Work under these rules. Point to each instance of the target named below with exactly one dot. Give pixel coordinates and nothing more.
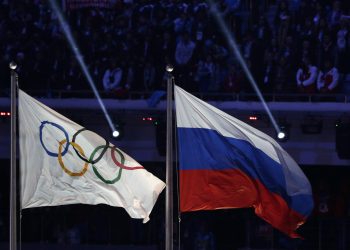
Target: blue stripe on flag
(207, 149)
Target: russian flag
(225, 163)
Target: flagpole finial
(169, 68)
(13, 65)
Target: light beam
(233, 44)
(66, 30)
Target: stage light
(253, 118)
(13, 65)
(281, 135)
(283, 132)
(169, 68)
(118, 131)
(148, 119)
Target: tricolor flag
(225, 163)
(63, 163)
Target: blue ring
(59, 127)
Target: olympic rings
(82, 172)
(80, 153)
(98, 173)
(83, 158)
(41, 137)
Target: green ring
(117, 178)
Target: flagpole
(169, 163)
(13, 173)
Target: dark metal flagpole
(169, 163)
(13, 173)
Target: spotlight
(13, 65)
(169, 68)
(118, 131)
(283, 133)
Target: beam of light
(66, 29)
(233, 44)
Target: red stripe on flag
(221, 189)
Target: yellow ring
(82, 172)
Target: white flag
(63, 163)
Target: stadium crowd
(290, 46)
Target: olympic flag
(225, 163)
(63, 163)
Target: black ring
(82, 157)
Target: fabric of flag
(225, 163)
(63, 163)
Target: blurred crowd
(289, 46)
